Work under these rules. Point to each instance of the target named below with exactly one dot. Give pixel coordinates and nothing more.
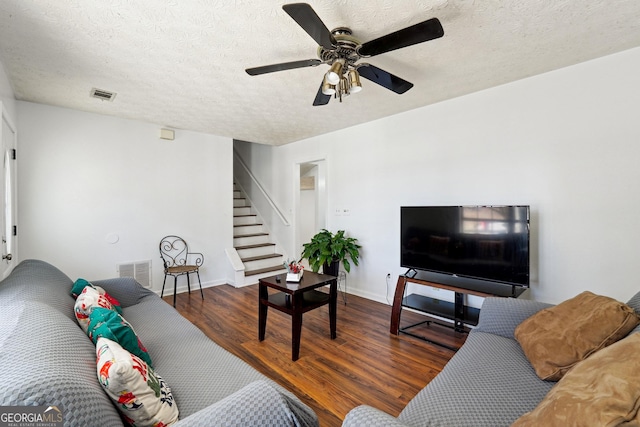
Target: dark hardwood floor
(365, 364)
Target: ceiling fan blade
(418, 33)
(384, 78)
(283, 66)
(321, 98)
(307, 18)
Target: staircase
(252, 242)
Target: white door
(8, 196)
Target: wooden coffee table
(295, 299)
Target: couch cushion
(601, 390)
(634, 302)
(501, 316)
(46, 359)
(487, 369)
(38, 282)
(259, 403)
(139, 393)
(127, 291)
(183, 365)
(106, 323)
(557, 338)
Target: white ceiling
(180, 63)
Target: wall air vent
(140, 270)
(104, 95)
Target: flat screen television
(478, 243)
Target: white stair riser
(263, 263)
(245, 220)
(241, 210)
(237, 193)
(253, 279)
(247, 229)
(253, 240)
(251, 252)
(239, 202)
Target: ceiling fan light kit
(346, 83)
(341, 51)
(328, 88)
(335, 72)
(354, 81)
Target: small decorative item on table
(294, 270)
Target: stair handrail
(272, 203)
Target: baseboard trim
(168, 289)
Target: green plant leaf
(325, 248)
(347, 266)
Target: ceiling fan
(341, 51)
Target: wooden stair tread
(247, 225)
(244, 216)
(259, 245)
(259, 257)
(250, 235)
(264, 270)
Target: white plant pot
(291, 277)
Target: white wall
(7, 97)
(84, 176)
(566, 143)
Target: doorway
(311, 203)
(8, 193)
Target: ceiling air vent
(104, 95)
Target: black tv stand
(456, 311)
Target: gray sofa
(489, 381)
(46, 358)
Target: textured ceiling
(181, 63)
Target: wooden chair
(178, 261)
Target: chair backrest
(174, 251)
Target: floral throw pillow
(89, 299)
(142, 396)
(81, 284)
(105, 323)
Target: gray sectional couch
(46, 358)
(489, 381)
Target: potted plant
(328, 250)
